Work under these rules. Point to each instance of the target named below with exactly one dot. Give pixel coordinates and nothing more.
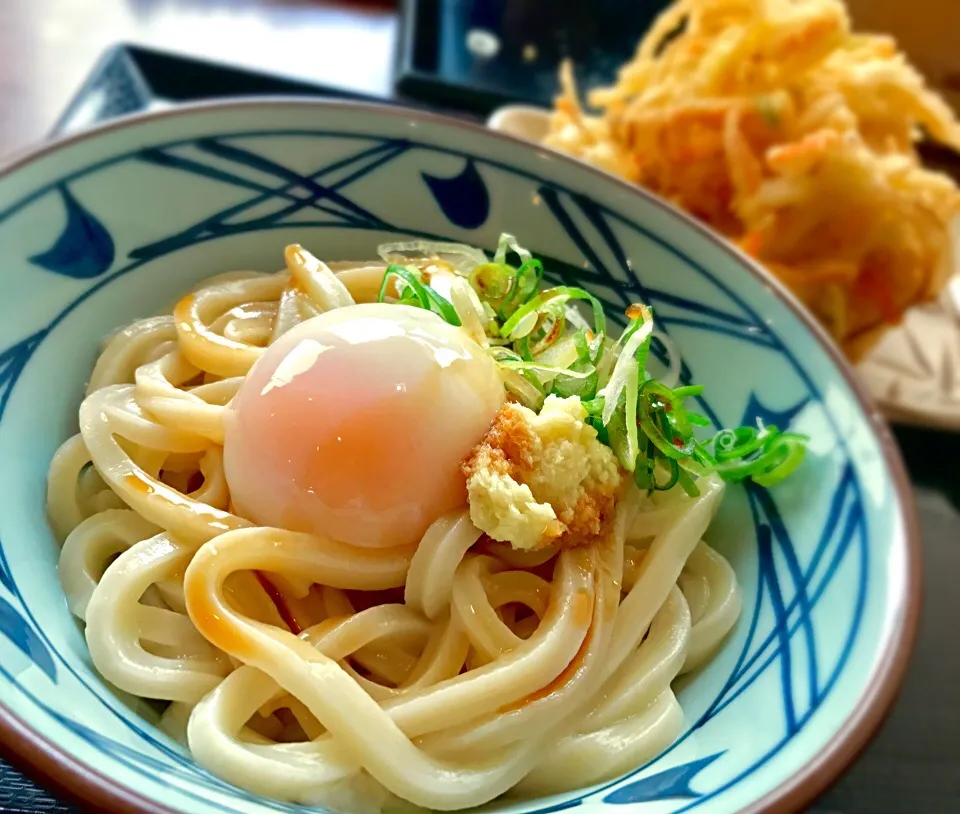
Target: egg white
(354, 424)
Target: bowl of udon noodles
(358, 459)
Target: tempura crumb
(541, 480)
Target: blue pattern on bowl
(813, 557)
(463, 198)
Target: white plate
(913, 373)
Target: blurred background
(433, 48)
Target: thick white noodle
(481, 670)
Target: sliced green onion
(643, 474)
(550, 327)
(587, 356)
(508, 243)
(702, 456)
(602, 435)
(643, 353)
(643, 470)
(536, 367)
(664, 420)
(639, 316)
(524, 320)
(630, 414)
(582, 344)
(781, 454)
(522, 347)
(493, 281)
(526, 284)
(594, 406)
(688, 391)
(618, 440)
(560, 294)
(459, 256)
(470, 310)
(650, 425)
(738, 471)
(520, 381)
(627, 358)
(562, 353)
(673, 470)
(413, 285)
(733, 445)
(583, 388)
(527, 392)
(604, 358)
(575, 318)
(543, 344)
(443, 307)
(785, 453)
(687, 484)
(529, 275)
(597, 347)
(424, 296)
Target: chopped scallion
(544, 345)
(414, 292)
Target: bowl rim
(59, 769)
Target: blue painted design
(764, 505)
(630, 286)
(463, 199)
(319, 191)
(777, 418)
(6, 578)
(844, 537)
(855, 527)
(747, 335)
(846, 516)
(183, 767)
(551, 197)
(845, 521)
(770, 586)
(670, 784)
(324, 198)
(704, 311)
(24, 637)
(560, 806)
(795, 609)
(180, 767)
(12, 362)
(84, 248)
(20, 630)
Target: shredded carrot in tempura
(795, 137)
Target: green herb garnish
(414, 292)
(544, 346)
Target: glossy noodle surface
(366, 642)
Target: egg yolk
(354, 423)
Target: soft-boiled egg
(354, 424)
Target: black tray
(131, 78)
(480, 54)
(910, 768)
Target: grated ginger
(542, 480)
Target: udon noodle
(301, 668)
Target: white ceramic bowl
(114, 224)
